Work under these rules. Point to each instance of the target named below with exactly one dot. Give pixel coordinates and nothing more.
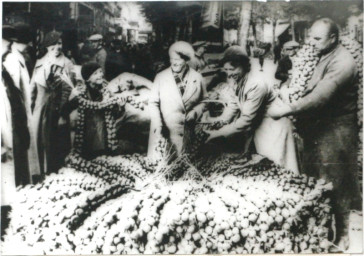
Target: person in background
(15, 137)
(95, 138)
(100, 53)
(117, 61)
(52, 85)
(175, 102)
(285, 64)
(326, 116)
(277, 51)
(86, 52)
(16, 66)
(198, 62)
(250, 124)
(70, 57)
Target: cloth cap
(238, 55)
(22, 33)
(8, 33)
(234, 50)
(95, 37)
(199, 44)
(88, 69)
(51, 38)
(291, 44)
(182, 48)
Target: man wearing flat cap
(100, 52)
(198, 62)
(51, 86)
(285, 64)
(175, 102)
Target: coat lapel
(175, 92)
(191, 87)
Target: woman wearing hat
(95, 137)
(250, 123)
(51, 85)
(175, 102)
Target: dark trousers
(330, 153)
(261, 61)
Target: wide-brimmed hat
(23, 33)
(8, 33)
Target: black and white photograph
(181, 127)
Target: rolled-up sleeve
(339, 73)
(249, 104)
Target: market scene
(181, 127)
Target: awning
(281, 28)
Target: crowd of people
(38, 103)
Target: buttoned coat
(168, 109)
(47, 97)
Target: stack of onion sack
(303, 66)
(114, 205)
(357, 52)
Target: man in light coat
(327, 123)
(100, 52)
(175, 102)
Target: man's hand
(278, 109)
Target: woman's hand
(61, 121)
(121, 100)
(191, 116)
(74, 93)
(284, 93)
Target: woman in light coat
(51, 86)
(175, 102)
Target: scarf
(180, 79)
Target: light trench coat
(38, 83)
(168, 109)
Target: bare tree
(244, 23)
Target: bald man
(327, 122)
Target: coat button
(183, 111)
(180, 134)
